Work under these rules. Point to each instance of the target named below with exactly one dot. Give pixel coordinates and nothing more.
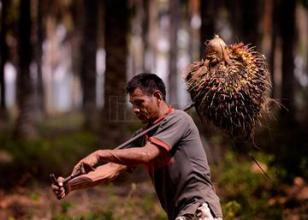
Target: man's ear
(157, 94)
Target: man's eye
(137, 103)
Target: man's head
(147, 93)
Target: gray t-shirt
(181, 179)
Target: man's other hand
(59, 188)
(85, 165)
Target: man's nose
(136, 110)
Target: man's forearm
(130, 156)
(102, 174)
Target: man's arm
(102, 174)
(130, 157)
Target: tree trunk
(40, 98)
(250, 20)
(25, 127)
(245, 20)
(76, 10)
(153, 31)
(174, 7)
(4, 56)
(287, 31)
(88, 62)
(116, 28)
(145, 32)
(193, 29)
(136, 51)
(273, 46)
(207, 30)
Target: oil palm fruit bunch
(230, 86)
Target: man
(172, 153)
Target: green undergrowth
(56, 152)
(138, 202)
(61, 144)
(244, 190)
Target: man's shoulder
(180, 116)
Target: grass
(245, 189)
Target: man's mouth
(142, 117)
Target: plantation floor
(110, 202)
(125, 201)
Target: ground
(121, 201)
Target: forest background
(63, 69)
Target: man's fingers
(60, 181)
(81, 168)
(55, 187)
(60, 195)
(76, 169)
(58, 188)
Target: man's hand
(59, 188)
(86, 164)
(102, 174)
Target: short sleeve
(171, 130)
(139, 142)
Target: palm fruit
(230, 86)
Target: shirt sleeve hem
(160, 143)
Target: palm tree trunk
(4, 55)
(39, 53)
(116, 28)
(25, 127)
(273, 46)
(193, 29)
(250, 17)
(88, 62)
(145, 33)
(207, 30)
(287, 30)
(173, 52)
(152, 35)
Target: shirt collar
(170, 109)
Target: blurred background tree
(25, 124)
(88, 61)
(64, 66)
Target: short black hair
(148, 83)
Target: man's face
(145, 107)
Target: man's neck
(163, 109)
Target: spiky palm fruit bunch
(230, 87)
